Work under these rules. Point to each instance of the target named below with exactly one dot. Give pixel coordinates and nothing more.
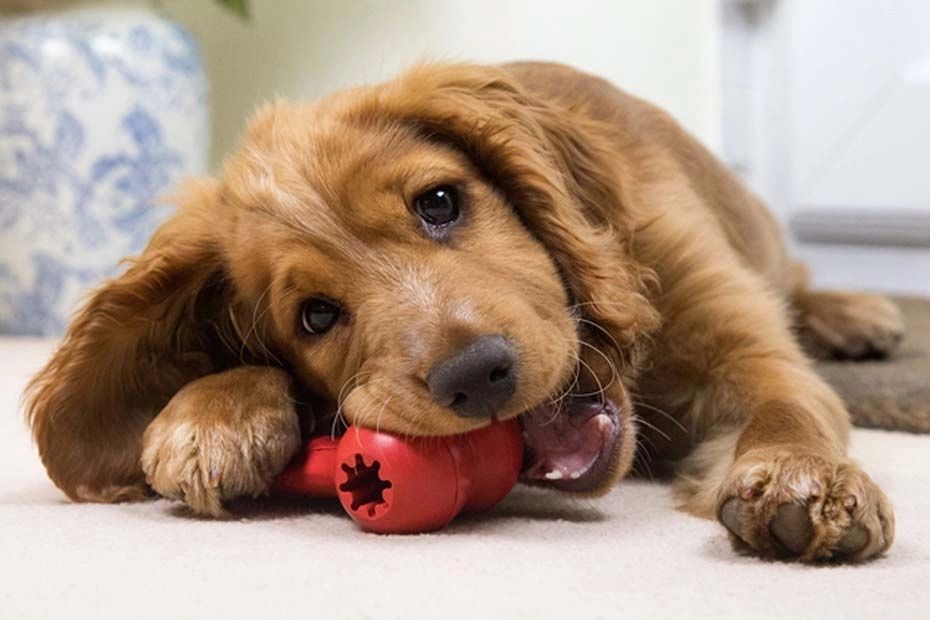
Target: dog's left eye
(437, 206)
(318, 315)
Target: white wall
(664, 50)
(825, 105)
(861, 96)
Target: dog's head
(432, 253)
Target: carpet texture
(628, 555)
(893, 393)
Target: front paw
(221, 437)
(796, 505)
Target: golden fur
(612, 249)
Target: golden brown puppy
(461, 243)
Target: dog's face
(399, 280)
(388, 256)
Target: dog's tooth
(603, 422)
(576, 474)
(554, 475)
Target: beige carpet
(629, 555)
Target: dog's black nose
(477, 380)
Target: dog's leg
(841, 325)
(787, 497)
(770, 436)
(222, 436)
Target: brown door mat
(892, 393)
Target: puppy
(465, 243)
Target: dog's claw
(215, 477)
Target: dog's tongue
(570, 445)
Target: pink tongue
(564, 446)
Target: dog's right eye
(437, 206)
(318, 315)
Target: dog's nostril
(499, 374)
(459, 399)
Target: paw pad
(791, 526)
(854, 541)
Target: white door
(838, 136)
(861, 97)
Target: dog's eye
(318, 315)
(437, 206)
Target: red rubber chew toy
(404, 486)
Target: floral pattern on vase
(102, 112)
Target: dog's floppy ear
(138, 339)
(557, 168)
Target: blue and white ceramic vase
(103, 110)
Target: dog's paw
(849, 325)
(212, 443)
(791, 505)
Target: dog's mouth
(572, 445)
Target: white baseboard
(885, 227)
(835, 266)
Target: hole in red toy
(365, 484)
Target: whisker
(615, 375)
(600, 391)
(361, 412)
(381, 413)
(568, 390)
(344, 392)
(597, 302)
(653, 427)
(643, 458)
(616, 345)
(556, 412)
(579, 362)
(665, 414)
(245, 340)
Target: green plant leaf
(241, 7)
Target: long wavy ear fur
(557, 169)
(139, 338)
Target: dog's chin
(578, 445)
